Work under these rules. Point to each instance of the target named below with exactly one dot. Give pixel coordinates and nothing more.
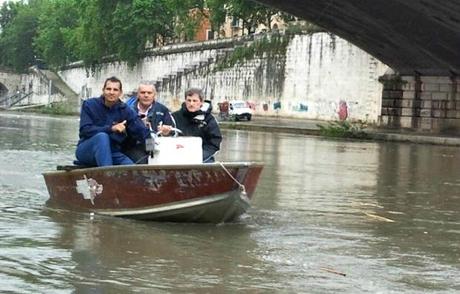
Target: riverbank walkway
(311, 127)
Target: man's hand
(147, 123)
(119, 127)
(164, 130)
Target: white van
(239, 109)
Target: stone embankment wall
(427, 103)
(319, 76)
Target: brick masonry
(421, 103)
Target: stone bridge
(417, 36)
(418, 39)
(35, 88)
(9, 82)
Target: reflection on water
(383, 214)
(113, 254)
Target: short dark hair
(113, 80)
(193, 91)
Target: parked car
(239, 109)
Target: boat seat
(76, 165)
(70, 167)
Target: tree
(57, 25)
(91, 39)
(138, 24)
(218, 13)
(249, 12)
(120, 29)
(7, 13)
(16, 39)
(97, 31)
(187, 17)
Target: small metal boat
(216, 192)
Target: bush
(57, 109)
(344, 129)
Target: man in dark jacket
(105, 123)
(195, 119)
(155, 115)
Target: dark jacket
(156, 115)
(200, 124)
(96, 117)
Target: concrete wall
(319, 75)
(325, 73)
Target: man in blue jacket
(155, 115)
(105, 123)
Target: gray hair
(193, 91)
(148, 83)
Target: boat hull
(217, 192)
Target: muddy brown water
(328, 217)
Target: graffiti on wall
(328, 110)
(343, 110)
(300, 107)
(340, 110)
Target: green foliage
(392, 82)
(15, 39)
(188, 15)
(8, 12)
(252, 13)
(218, 13)
(270, 46)
(344, 129)
(249, 12)
(97, 31)
(92, 34)
(296, 28)
(55, 32)
(137, 24)
(56, 109)
(120, 30)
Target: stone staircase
(58, 86)
(193, 68)
(10, 101)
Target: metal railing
(14, 99)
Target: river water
(328, 216)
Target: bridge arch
(412, 37)
(9, 82)
(3, 90)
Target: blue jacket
(156, 115)
(95, 117)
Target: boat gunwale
(136, 167)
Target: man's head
(146, 93)
(194, 99)
(112, 91)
